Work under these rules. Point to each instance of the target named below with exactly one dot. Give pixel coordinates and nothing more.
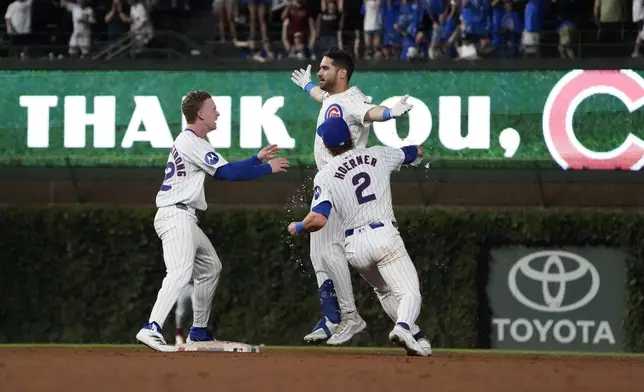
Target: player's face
(327, 74)
(209, 114)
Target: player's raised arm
(302, 77)
(320, 211)
(394, 158)
(251, 168)
(383, 113)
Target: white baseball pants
(330, 262)
(188, 255)
(380, 256)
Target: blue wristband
(309, 86)
(386, 114)
(299, 227)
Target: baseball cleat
(424, 343)
(151, 336)
(402, 337)
(323, 330)
(350, 325)
(200, 334)
(427, 347)
(178, 340)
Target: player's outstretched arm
(413, 155)
(314, 220)
(383, 113)
(249, 169)
(302, 77)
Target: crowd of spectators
(371, 29)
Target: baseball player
(355, 187)
(184, 305)
(187, 252)
(341, 321)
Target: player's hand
(268, 152)
(401, 107)
(301, 77)
(291, 229)
(279, 164)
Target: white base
(218, 346)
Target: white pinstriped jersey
(358, 185)
(351, 105)
(189, 161)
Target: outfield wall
(90, 275)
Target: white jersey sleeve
(201, 154)
(321, 189)
(392, 157)
(358, 106)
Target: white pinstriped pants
(382, 260)
(329, 261)
(188, 255)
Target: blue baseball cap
(334, 132)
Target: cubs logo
(211, 158)
(316, 192)
(565, 97)
(334, 110)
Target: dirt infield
(122, 370)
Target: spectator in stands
(533, 21)
(464, 44)
(372, 27)
(115, 26)
(498, 11)
(225, 11)
(391, 41)
(257, 9)
(610, 16)
(429, 12)
(638, 19)
(82, 19)
(406, 26)
(565, 12)
(299, 50)
(511, 29)
(18, 21)
(444, 34)
(297, 19)
(475, 15)
(353, 22)
(329, 26)
(140, 24)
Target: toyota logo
(558, 275)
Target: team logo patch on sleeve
(211, 158)
(316, 192)
(334, 110)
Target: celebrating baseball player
(354, 186)
(187, 252)
(341, 320)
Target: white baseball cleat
(323, 330)
(178, 340)
(350, 325)
(403, 338)
(427, 347)
(151, 336)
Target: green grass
(352, 350)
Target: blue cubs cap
(334, 132)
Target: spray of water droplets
(297, 205)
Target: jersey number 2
(362, 182)
(169, 172)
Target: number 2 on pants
(362, 182)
